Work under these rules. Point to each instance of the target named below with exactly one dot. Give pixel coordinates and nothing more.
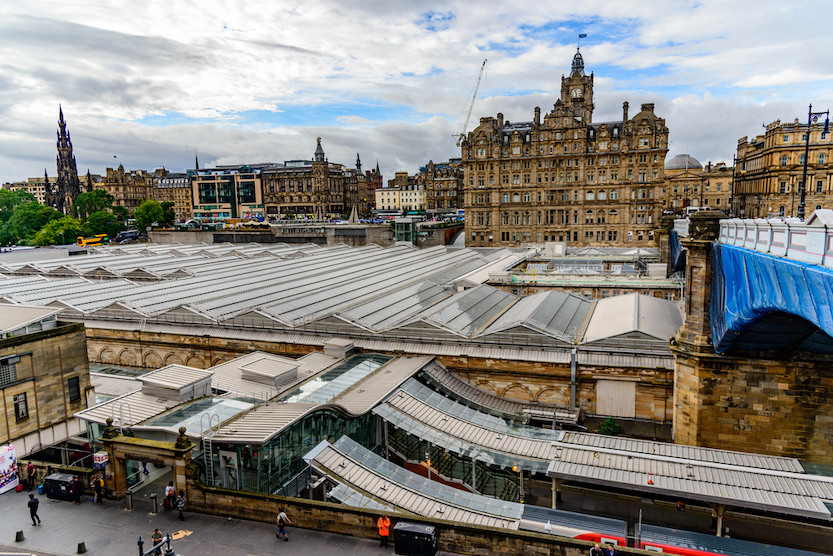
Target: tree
(102, 222)
(169, 215)
(11, 199)
(61, 231)
(92, 201)
(148, 214)
(25, 221)
(120, 212)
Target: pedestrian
(180, 504)
(596, 551)
(145, 468)
(98, 486)
(76, 490)
(31, 471)
(155, 539)
(384, 530)
(282, 521)
(246, 456)
(33, 509)
(611, 550)
(169, 495)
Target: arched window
(505, 219)
(614, 194)
(821, 158)
(782, 210)
(784, 160)
(527, 197)
(614, 217)
(589, 196)
(506, 197)
(516, 197)
(602, 195)
(516, 219)
(600, 217)
(818, 207)
(588, 217)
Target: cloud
(259, 80)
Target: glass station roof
(191, 415)
(330, 384)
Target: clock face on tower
(576, 93)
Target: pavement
(110, 530)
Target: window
(74, 389)
(782, 210)
(8, 371)
(786, 138)
(821, 158)
(784, 160)
(589, 196)
(801, 159)
(506, 197)
(818, 207)
(21, 409)
(819, 186)
(782, 188)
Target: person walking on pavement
(169, 495)
(180, 504)
(384, 530)
(282, 521)
(33, 509)
(76, 490)
(155, 539)
(31, 471)
(98, 486)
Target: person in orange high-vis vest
(384, 530)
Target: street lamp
(812, 117)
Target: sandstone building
(689, 184)
(44, 377)
(565, 178)
(176, 189)
(770, 167)
(443, 186)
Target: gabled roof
(620, 315)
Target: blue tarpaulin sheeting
(763, 303)
(677, 254)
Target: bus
(94, 241)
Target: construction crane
(462, 134)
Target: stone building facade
(176, 189)
(443, 186)
(769, 171)
(44, 379)
(228, 192)
(565, 177)
(128, 188)
(403, 193)
(689, 184)
(313, 188)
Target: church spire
(358, 163)
(196, 162)
(319, 152)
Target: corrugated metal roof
(174, 376)
(129, 409)
(372, 389)
(775, 491)
(614, 316)
(15, 317)
(372, 476)
(263, 422)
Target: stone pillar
(694, 338)
(182, 448)
(663, 242)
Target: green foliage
(168, 213)
(609, 426)
(102, 222)
(148, 213)
(11, 199)
(25, 221)
(120, 212)
(61, 231)
(92, 201)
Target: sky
(150, 83)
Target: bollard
(129, 500)
(154, 507)
(82, 548)
(18, 537)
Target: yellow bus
(94, 241)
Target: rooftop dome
(682, 162)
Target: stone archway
(107, 355)
(173, 359)
(92, 354)
(195, 361)
(517, 392)
(152, 360)
(487, 386)
(122, 448)
(128, 358)
(553, 396)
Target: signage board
(9, 476)
(100, 460)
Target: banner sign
(9, 477)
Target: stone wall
(48, 360)
(522, 380)
(358, 522)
